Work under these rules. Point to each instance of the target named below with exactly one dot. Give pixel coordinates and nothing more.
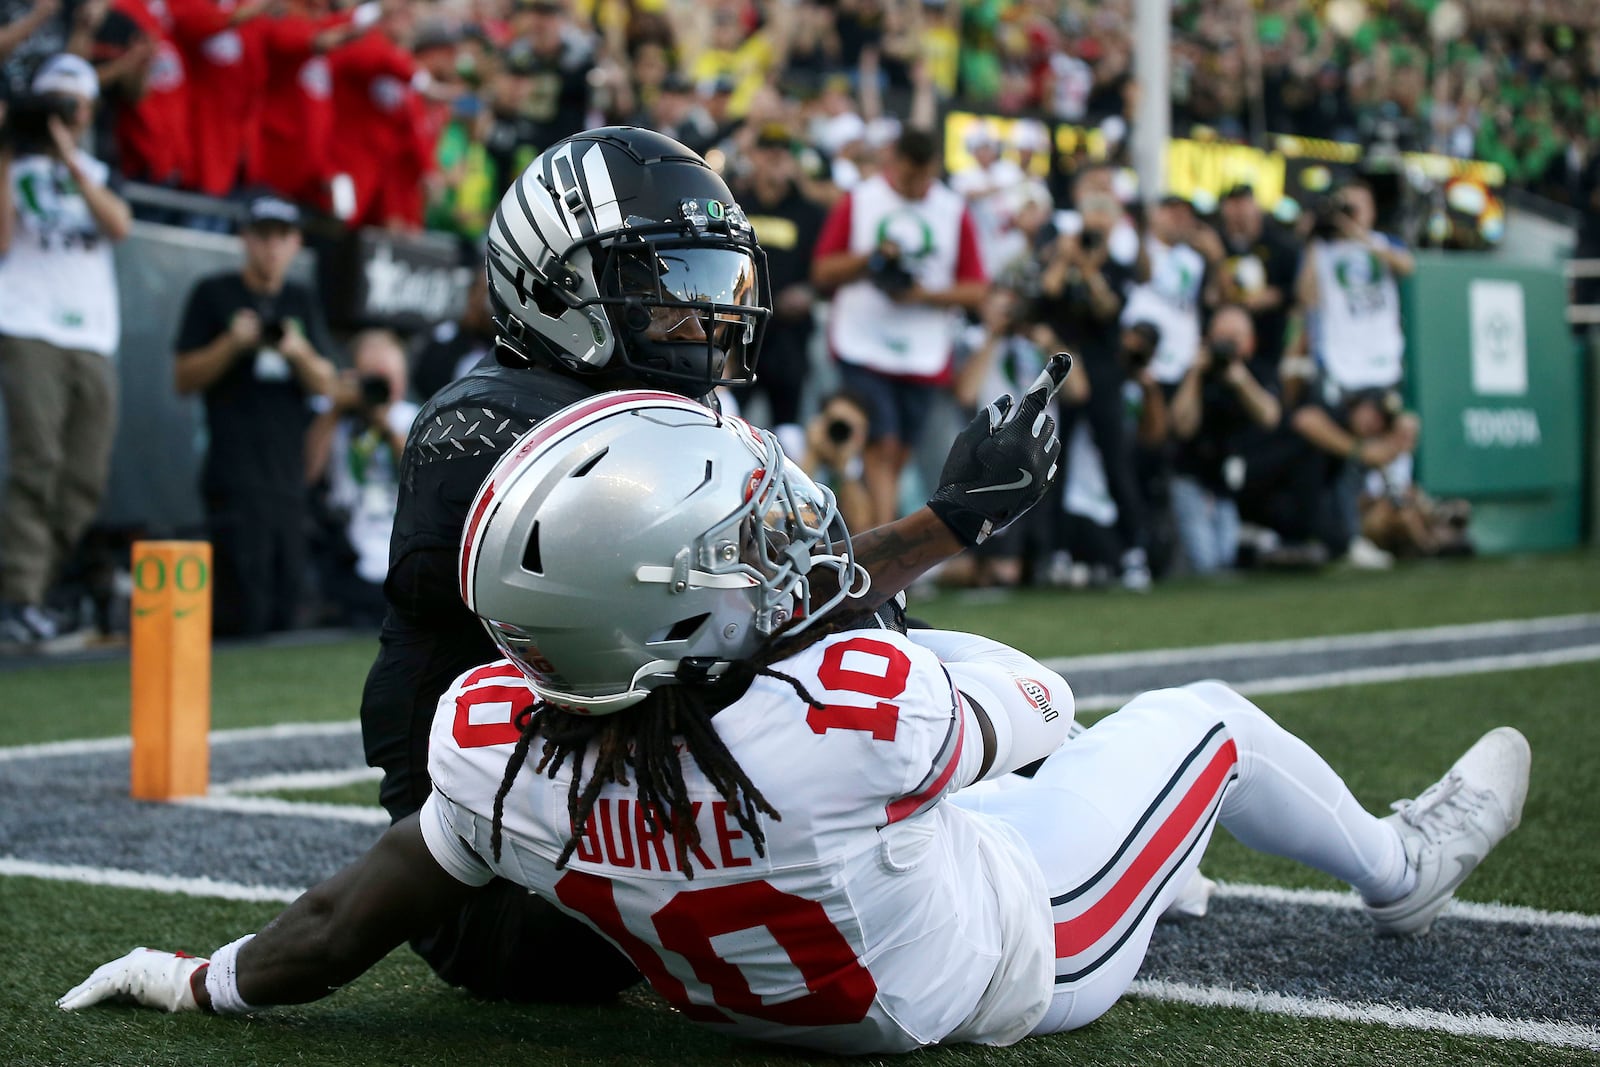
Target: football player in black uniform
(618, 259)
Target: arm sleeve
(446, 845)
(1028, 705)
(835, 236)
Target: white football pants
(1119, 818)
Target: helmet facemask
(788, 529)
(685, 304)
(688, 311)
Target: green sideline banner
(1496, 377)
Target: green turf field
(1388, 740)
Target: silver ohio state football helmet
(620, 249)
(637, 539)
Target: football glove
(145, 976)
(997, 467)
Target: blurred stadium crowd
(413, 112)
(1220, 415)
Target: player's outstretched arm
(330, 935)
(1002, 463)
(997, 469)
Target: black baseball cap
(269, 209)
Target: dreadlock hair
(644, 737)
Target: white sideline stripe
(155, 883)
(1092, 702)
(1399, 672)
(1067, 664)
(1480, 1026)
(280, 732)
(1201, 996)
(1331, 643)
(270, 783)
(1544, 1033)
(1458, 909)
(290, 808)
(1268, 894)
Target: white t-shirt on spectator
(1355, 327)
(1071, 83)
(58, 281)
(988, 193)
(1171, 301)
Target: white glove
(145, 976)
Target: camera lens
(839, 431)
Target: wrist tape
(222, 979)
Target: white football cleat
(1452, 825)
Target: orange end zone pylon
(171, 668)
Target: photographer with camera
(354, 447)
(1296, 478)
(835, 438)
(899, 253)
(59, 327)
(1081, 296)
(1218, 408)
(1348, 291)
(1258, 273)
(250, 343)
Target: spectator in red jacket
(374, 117)
(291, 154)
(141, 73)
(221, 45)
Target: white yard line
(1480, 1026)
(1399, 672)
(1331, 643)
(272, 783)
(1067, 665)
(289, 808)
(155, 883)
(1459, 909)
(206, 887)
(280, 732)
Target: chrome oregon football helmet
(620, 249)
(636, 539)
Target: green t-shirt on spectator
(470, 198)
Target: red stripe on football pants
(1078, 934)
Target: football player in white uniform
(693, 747)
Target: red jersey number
(839, 990)
(880, 671)
(497, 707)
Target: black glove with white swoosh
(997, 467)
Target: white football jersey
(879, 919)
